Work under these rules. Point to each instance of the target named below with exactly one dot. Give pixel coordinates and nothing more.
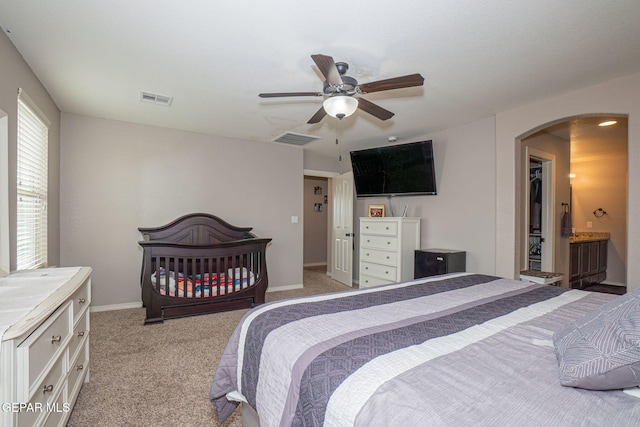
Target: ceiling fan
(339, 90)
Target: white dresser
(44, 352)
(387, 248)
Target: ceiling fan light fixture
(340, 106)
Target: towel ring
(599, 213)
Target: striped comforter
(459, 349)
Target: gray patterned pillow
(601, 351)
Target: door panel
(342, 233)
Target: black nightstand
(429, 262)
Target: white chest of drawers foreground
(44, 352)
(387, 248)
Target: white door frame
(548, 161)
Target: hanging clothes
(536, 205)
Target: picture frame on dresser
(375, 211)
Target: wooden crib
(200, 264)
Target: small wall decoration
(376, 210)
(326, 200)
(317, 190)
(317, 207)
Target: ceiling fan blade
(319, 115)
(393, 83)
(374, 110)
(283, 94)
(328, 68)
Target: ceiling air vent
(295, 138)
(154, 98)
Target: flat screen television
(395, 170)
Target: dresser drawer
(40, 348)
(380, 242)
(379, 257)
(57, 412)
(381, 271)
(368, 281)
(78, 369)
(80, 334)
(37, 405)
(386, 228)
(81, 299)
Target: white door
(342, 233)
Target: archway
(597, 156)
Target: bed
(200, 264)
(457, 349)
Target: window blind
(32, 171)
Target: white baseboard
(314, 264)
(285, 288)
(110, 307)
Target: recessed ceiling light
(608, 123)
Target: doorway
(315, 221)
(540, 197)
(338, 228)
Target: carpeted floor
(159, 375)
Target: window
(5, 257)
(32, 167)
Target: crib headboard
(197, 229)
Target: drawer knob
(366, 268)
(367, 254)
(388, 243)
(387, 228)
(82, 301)
(80, 334)
(56, 338)
(47, 389)
(79, 367)
(387, 256)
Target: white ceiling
(214, 57)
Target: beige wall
(118, 176)
(318, 162)
(619, 96)
(14, 74)
(462, 215)
(315, 222)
